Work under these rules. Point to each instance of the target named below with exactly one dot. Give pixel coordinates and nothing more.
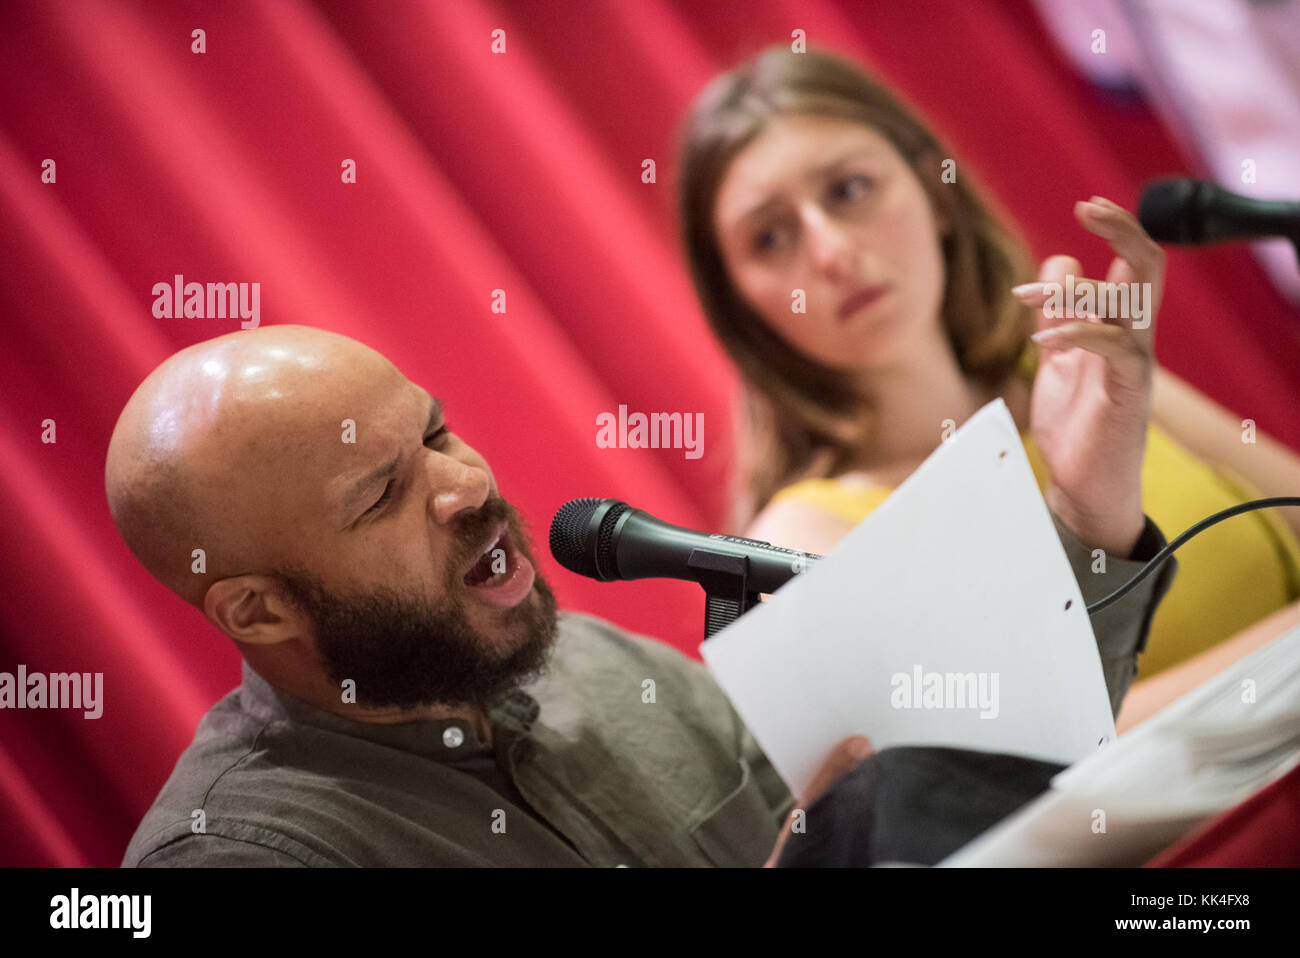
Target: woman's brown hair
(802, 419)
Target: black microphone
(606, 539)
(1194, 212)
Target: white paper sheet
(1200, 755)
(959, 572)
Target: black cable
(1158, 559)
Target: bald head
(348, 537)
(218, 446)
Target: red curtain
(476, 171)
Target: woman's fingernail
(1024, 289)
(1045, 335)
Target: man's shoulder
(252, 791)
(222, 792)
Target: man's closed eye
(432, 439)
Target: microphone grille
(606, 566)
(1169, 210)
(569, 532)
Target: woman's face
(829, 207)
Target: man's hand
(843, 758)
(1091, 401)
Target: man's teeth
(489, 556)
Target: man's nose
(830, 248)
(457, 486)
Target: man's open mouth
(493, 562)
(502, 575)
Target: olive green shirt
(625, 752)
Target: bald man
(409, 694)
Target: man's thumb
(843, 758)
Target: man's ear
(252, 609)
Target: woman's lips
(863, 297)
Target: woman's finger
(1056, 268)
(1125, 235)
(1113, 343)
(1121, 211)
(1037, 294)
(1104, 300)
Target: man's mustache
(472, 529)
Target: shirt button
(453, 736)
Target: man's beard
(405, 651)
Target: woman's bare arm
(797, 525)
(1215, 435)
(1149, 696)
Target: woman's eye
(850, 187)
(766, 240)
(435, 436)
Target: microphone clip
(725, 579)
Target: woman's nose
(456, 486)
(830, 248)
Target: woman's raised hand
(1091, 401)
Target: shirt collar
(443, 739)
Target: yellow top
(1229, 576)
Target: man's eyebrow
(388, 469)
(819, 173)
